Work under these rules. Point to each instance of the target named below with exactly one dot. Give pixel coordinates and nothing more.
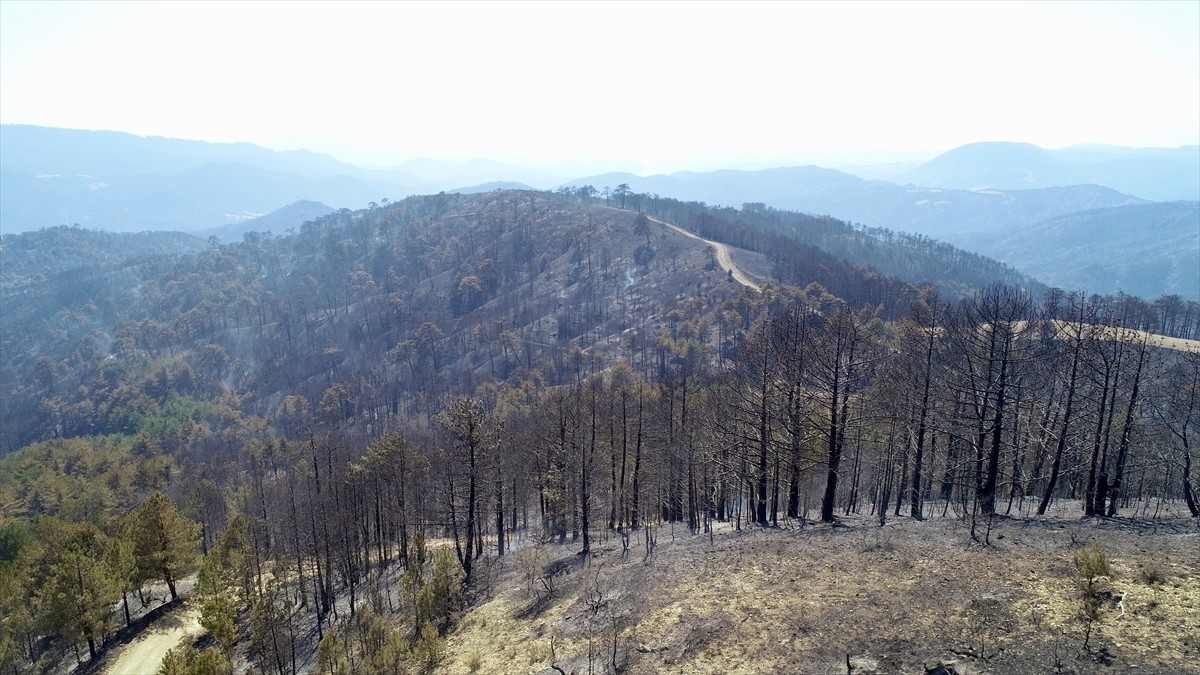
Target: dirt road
(145, 654)
(722, 250)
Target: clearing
(811, 598)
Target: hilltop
(426, 295)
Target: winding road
(722, 250)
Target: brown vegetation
(894, 599)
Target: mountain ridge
(1090, 249)
(950, 215)
(52, 176)
(1155, 174)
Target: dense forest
(414, 386)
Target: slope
(34, 258)
(724, 259)
(855, 598)
(390, 307)
(1145, 249)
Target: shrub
(429, 648)
(1091, 563)
(1151, 575)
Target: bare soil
(146, 652)
(811, 598)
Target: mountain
(278, 221)
(1016, 166)
(1158, 174)
(122, 182)
(955, 216)
(189, 200)
(1142, 249)
(110, 155)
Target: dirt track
(722, 250)
(145, 654)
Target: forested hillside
(409, 301)
(1108, 249)
(357, 422)
(32, 259)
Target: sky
(646, 87)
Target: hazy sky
(651, 87)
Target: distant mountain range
(1003, 199)
(123, 183)
(1156, 174)
(955, 216)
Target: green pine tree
(166, 543)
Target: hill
(32, 259)
(440, 432)
(278, 221)
(494, 185)
(388, 295)
(1159, 174)
(391, 291)
(1142, 249)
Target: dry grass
(1136, 336)
(890, 599)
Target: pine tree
(166, 542)
(78, 591)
